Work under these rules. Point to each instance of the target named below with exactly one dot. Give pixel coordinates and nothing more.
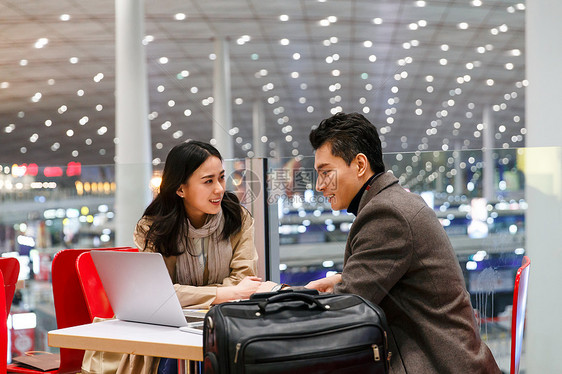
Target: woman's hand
(247, 286)
(242, 290)
(325, 284)
(266, 286)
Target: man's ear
(180, 192)
(362, 164)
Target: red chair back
(518, 313)
(94, 294)
(3, 329)
(10, 268)
(70, 306)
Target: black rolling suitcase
(293, 332)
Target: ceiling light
(372, 58)
(490, 82)
(41, 42)
(443, 61)
(476, 3)
(212, 57)
(69, 133)
(147, 39)
(413, 26)
(377, 21)
(64, 17)
(36, 97)
(367, 44)
(332, 19)
(4, 85)
(284, 41)
(163, 60)
(180, 16)
(509, 66)
(324, 22)
(284, 17)
(296, 56)
(294, 74)
(23, 62)
(73, 60)
(336, 73)
(463, 25)
(444, 47)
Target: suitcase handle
(291, 296)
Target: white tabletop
(130, 337)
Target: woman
(205, 236)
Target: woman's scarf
(189, 270)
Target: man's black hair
(349, 135)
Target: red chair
(10, 268)
(3, 329)
(9, 272)
(518, 313)
(92, 287)
(70, 308)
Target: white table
(130, 337)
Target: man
(397, 255)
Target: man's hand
(325, 284)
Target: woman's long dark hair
(167, 211)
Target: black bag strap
(291, 296)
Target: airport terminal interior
(443, 81)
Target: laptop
(139, 289)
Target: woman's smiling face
(202, 193)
